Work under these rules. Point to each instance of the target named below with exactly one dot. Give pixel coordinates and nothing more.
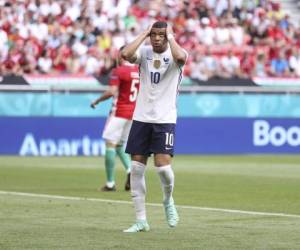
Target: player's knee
(139, 158)
(110, 144)
(162, 160)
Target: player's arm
(112, 91)
(129, 52)
(178, 53)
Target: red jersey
(126, 77)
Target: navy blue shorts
(151, 138)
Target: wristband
(170, 36)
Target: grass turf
(256, 183)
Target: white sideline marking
(59, 197)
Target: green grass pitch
(269, 184)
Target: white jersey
(160, 77)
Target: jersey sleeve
(114, 79)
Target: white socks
(138, 189)
(166, 175)
(138, 186)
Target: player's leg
(112, 134)
(166, 174)
(162, 146)
(124, 157)
(162, 163)
(137, 146)
(138, 194)
(109, 163)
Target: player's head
(158, 36)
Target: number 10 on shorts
(169, 139)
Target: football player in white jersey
(154, 118)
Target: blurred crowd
(224, 38)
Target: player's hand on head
(148, 30)
(169, 29)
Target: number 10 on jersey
(155, 77)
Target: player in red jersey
(123, 87)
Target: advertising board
(67, 136)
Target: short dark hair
(160, 24)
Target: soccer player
(124, 84)
(153, 128)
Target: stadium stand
(225, 39)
